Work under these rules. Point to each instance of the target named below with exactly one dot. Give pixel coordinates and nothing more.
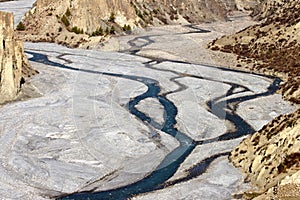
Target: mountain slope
(272, 46)
(73, 22)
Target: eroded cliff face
(73, 22)
(272, 156)
(84, 22)
(14, 67)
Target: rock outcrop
(271, 157)
(74, 22)
(14, 67)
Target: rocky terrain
(270, 158)
(14, 66)
(86, 23)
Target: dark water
(167, 168)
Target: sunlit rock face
(14, 67)
(270, 158)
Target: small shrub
(112, 30)
(98, 31)
(65, 21)
(146, 13)
(156, 11)
(107, 31)
(20, 27)
(77, 30)
(112, 17)
(59, 29)
(68, 12)
(140, 15)
(172, 17)
(126, 27)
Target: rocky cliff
(271, 157)
(14, 67)
(77, 22)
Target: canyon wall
(77, 22)
(14, 67)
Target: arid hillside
(270, 158)
(14, 67)
(81, 23)
(271, 47)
